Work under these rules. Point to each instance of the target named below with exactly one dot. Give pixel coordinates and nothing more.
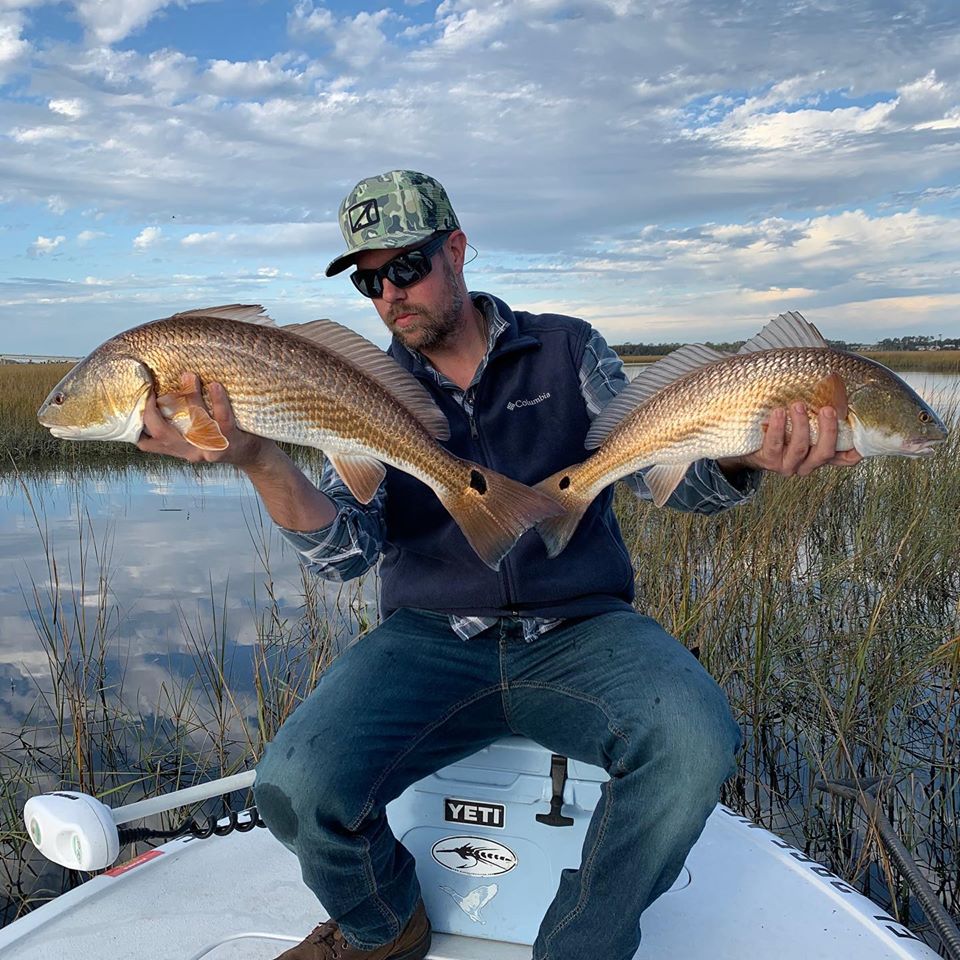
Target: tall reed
(88, 731)
(828, 609)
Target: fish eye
(924, 417)
(58, 399)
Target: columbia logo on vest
(517, 404)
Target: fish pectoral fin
(831, 391)
(196, 425)
(362, 475)
(663, 478)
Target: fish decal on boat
(474, 856)
(700, 403)
(474, 901)
(318, 384)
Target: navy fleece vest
(529, 422)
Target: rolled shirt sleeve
(349, 545)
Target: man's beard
(435, 327)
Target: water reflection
(159, 562)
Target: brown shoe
(327, 943)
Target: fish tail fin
(557, 531)
(494, 511)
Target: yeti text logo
(517, 404)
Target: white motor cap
(72, 829)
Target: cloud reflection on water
(180, 552)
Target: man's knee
(308, 782)
(693, 739)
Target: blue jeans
(613, 690)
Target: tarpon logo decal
(363, 215)
(474, 856)
(473, 902)
(518, 404)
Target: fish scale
(700, 404)
(354, 411)
(316, 384)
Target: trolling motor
(79, 832)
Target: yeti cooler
(491, 834)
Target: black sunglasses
(404, 270)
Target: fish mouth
(74, 433)
(922, 446)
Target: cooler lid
(516, 755)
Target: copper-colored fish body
(699, 403)
(317, 384)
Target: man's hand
(793, 455)
(160, 436)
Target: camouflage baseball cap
(394, 209)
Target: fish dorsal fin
(243, 312)
(643, 387)
(399, 383)
(787, 330)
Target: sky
(670, 170)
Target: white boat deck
(745, 893)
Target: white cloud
(87, 236)
(200, 239)
(761, 147)
(147, 237)
(254, 78)
(44, 245)
(357, 41)
(13, 48)
(72, 107)
(286, 238)
(111, 20)
(306, 18)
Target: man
(550, 649)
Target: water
(181, 552)
(177, 547)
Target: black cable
(936, 913)
(212, 828)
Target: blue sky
(671, 172)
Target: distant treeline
(662, 349)
(887, 344)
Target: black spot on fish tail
(564, 483)
(478, 482)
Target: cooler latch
(558, 779)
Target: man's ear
(457, 245)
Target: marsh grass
(928, 361)
(87, 731)
(829, 609)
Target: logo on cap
(363, 215)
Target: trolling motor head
(73, 830)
